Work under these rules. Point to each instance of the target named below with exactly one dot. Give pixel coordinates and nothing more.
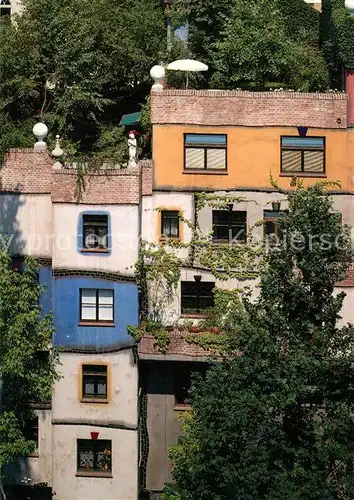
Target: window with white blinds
(205, 152)
(96, 305)
(303, 155)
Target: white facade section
(16, 7)
(27, 221)
(122, 384)
(151, 216)
(36, 468)
(67, 485)
(124, 235)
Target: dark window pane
(95, 231)
(229, 224)
(196, 297)
(170, 223)
(94, 379)
(31, 430)
(94, 455)
(270, 228)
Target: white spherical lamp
(157, 73)
(40, 131)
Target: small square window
(5, 8)
(95, 232)
(196, 296)
(94, 382)
(205, 152)
(170, 223)
(229, 226)
(302, 155)
(96, 305)
(271, 226)
(94, 456)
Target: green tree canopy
(274, 420)
(27, 363)
(257, 43)
(80, 65)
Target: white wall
(151, 217)
(16, 6)
(28, 221)
(124, 482)
(122, 388)
(124, 237)
(36, 468)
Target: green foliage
(27, 363)
(275, 420)
(153, 328)
(257, 44)
(80, 65)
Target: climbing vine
(158, 272)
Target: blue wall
(45, 279)
(67, 313)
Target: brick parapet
(252, 109)
(31, 172)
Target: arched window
(5, 8)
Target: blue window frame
(303, 155)
(205, 152)
(94, 233)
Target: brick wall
(252, 109)
(30, 172)
(349, 280)
(26, 171)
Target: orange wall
(252, 153)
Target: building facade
(87, 248)
(227, 143)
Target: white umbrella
(187, 65)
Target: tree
(27, 363)
(80, 65)
(262, 43)
(274, 420)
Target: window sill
(96, 323)
(182, 407)
(206, 172)
(94, 474)
(303, 174)
(166, 239)
(94, 250)
(193, 315)
(226, 242)
(94, 401)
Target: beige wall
(28, 221)
(124, 482)
(37, 468)
(124, 236)
(16, 7)
(122, 389)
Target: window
(205, 152)
(5, 8)
(94, 456)
(170, 223)
(229, 226)
(96, 305)
(94, 382)
(95, 232)
(303, 155)
(181, 390)
(271, 227)
(30, 432)
(196, 296)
